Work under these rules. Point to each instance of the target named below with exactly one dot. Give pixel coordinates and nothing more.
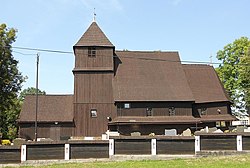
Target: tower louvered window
(92, 52)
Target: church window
(149, 111)
(93, 113)
(171, 111)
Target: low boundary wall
(126, 145)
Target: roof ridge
(50, 95)
(143, 51)
(197, 65)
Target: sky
(197, 29)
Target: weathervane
(94, 15)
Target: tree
(10, 81)
(30, 91)
(234, 71)
(245, 77)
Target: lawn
(240, 161)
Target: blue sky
(194, 28)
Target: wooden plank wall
(246, 143)
(27, 131)
(213, 107)
(94, 150)
(45, 151)
(175, 146)
(104, 58)
(218, 142)
(90, 94)
(88, 126)
(10, 154)
(133, 146)
(93, 87)
(159, 109)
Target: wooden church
(128, 91)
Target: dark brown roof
(219, 117)
(205, 84)
(94, 37)
(51, 108)
(150, 76)
(155, 120)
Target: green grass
(240, 161)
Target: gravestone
(218, 131)
(211, 130)
(135, 134)
(18, 141)
(240, 128)
(247, 129)
(187, 132)
(170, 132)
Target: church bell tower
(93, 74)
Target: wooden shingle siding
(94, 36)
(218, 142)
(204, 83)
(9, 154)
(175, 146)
(246, 142)
(133, 146)
(82, 151)
(45, 152)
(51, 108)
(145, 80)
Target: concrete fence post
(197, 146)
(239, 142)
(23, 153)
(111, 147)
(153, 146)
(66, 151)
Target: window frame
(149, 111)
(93, 113)
(203, 111)
(92, 52)
(127, 105)
(171, 111)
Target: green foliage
(239, 161)
(245, 76)
(234, 72)
(10, 83)
(30, 91)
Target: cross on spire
(94, 16)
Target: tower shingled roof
(94, 36)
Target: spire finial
(94, 15)
(211, 60)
